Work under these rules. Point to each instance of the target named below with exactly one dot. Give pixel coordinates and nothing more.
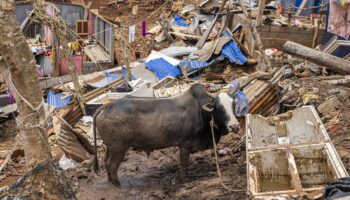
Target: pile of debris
(221, 44)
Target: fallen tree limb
(329, 61)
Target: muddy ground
(156, 177)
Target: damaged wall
(69, 13)
(103, 31)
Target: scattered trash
(66, 163)
(224, 151)
(86, 121)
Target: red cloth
(78, 62)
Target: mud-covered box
(290, 155)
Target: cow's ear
(209, 107)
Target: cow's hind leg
(107, 163)
(115, 158)
(184, 157)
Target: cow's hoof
(115, 182)
(182, 177)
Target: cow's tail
(95, 162)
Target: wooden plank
(195, 37)
(97, 54)
(205, 36)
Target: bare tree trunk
(22, 76)
(323, 59)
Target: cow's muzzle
(234, 128)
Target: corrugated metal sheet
(233, 52)
(162, 68)
(73, 144)
(140, 71)
(55, 99)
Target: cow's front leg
(184, 157)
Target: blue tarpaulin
(161, 68)
(195, 64)
(241, 101)
(241, 104)
(233, 52)
(55, 99)
(179, 21)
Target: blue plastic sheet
(233, 52)
(242, 104)
(194, 64)
(161, 68)
(241, 101)
(55, 99)
(179, 21)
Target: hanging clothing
(339, 19)
(131, 33)
(144, 30)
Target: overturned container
(290, 155)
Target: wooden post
(127, 61)
(261, 9)
(206, 34)
(314, 40)
(317, 57)
(256, 38)
(124, 44)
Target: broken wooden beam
(190, 36)
(323, 59)
(206, 34)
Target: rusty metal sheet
(72, 143)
